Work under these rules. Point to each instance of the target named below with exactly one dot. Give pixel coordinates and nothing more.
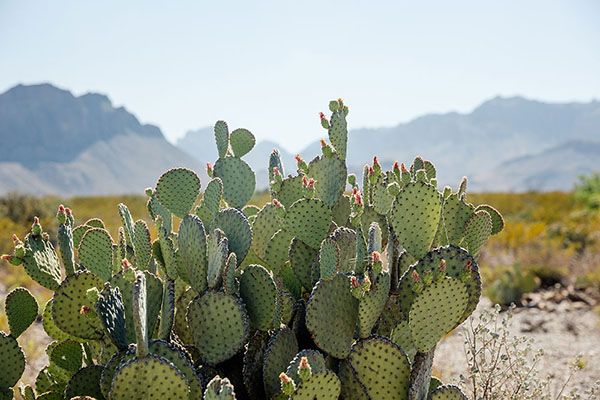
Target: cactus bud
(324, 122)
(12, 260)
(277, 203)
(427, 277)
(417, 284)
(36, 227)
(326, 149)
(301, 163)
(352, 179)
(84, 310)
(209, 169)
(358, 199)
(376, 166)
(304, 369)
(405, 174)
(393, 189)
(366, 284)
(126, 264)
(377, 263)
(148, 191)
(373, 175)
(19, 247)
(340, 102)
(466, 273)
(334, 106)
(61, 215)
(288, 387)
(355, 287)
(396, 169)
(441, 271)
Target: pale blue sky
(271, 66)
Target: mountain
(56, 143)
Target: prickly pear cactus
(330, 290)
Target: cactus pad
(219, 325)
(308, 220)
(222, 137)
(13, 361)
(95, 252)
(329, 259)
(41, 262)
(191, 252)
(217, 257)
(21, 310)
(142, 244)
(436, 311)
(291, 190)
(321, 385)
(372, 303)
(331, 316)
(381, 367)
(301, 258)
(219, 389)
(338, 132)
(149, 377)
(242, 141)
(282, 349)
(315, 360)
(238, 179)
(382, 199)
(277, 251)
(477, 231)
(181, 327)
(341, 210)
(237, 229)
(177, 190)
(346, 241)
(67, 304)
(86, 382)
(155, 209)
(456, 213)
(415, 216)
(67, 355)
(110, 369)
(497, 219)
(369, 216)
(447, 392)
(179, 358)
(111, 311)
(402, 337)
(259, 293)
(125, 218)
(330, 175)
(78, 233)
(263, 228)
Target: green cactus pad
(237, 229)
(436, 311)
(391, 316)
(434, 383)
(219, 389)
(242, 141)
(330, 175)
(372, 303)
(346, 241)
(21, 310)
(277, 252)
(125, 218)
(329, 259)
(168, 253)
(250, 210)
(291, 190)
(301, 258)
(155, 209)
(95, 223)
(154, 292)
(191, 252)
(86, 382)
(222, 138)
(382, 367)
(238, 179)
(338, 132)
(111, 311)
(41, 262)
(67, 355)
(95, 252)
(308, 220)
(402, 337)
(149, 377)
(181, 327)
(50, 327)
(142, 244)
(321, 385)
(341, 210)
(217, 257)
(477, 231)
(110, 369)
(447, 392)
(13, 361)
(67, 303)
(78, 233)
(210, 201)
(229, 273)
(382, 199)
(369, 216)
(375, 239)
(497, 219)
(263, 228)
(8, 394)
(315, 360)
(219, 325)
(415, 216)
(259, 292)
(179, 358)
(282, 348)
(352, 388)
(456, 213)
(253, 365)
(65, 248)
(177, 190)
(331, 316)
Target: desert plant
(317, 295)
(511, 285)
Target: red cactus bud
(354, 190)
(276, 203)
(36, 220)
(375, 161)
(298, 158)
(126, 264)
(340, 101)
(323, 144)
(284, 378)
(276, 171)
(354, 282)
(304, 181)
(61, 209)
(209, 166)
(68, 211)
(371, 170)
(396, 167)
(358, 199)
(468, 266)
(6, 257)
(84, 309)
(304, 363)
(415, 276)
(376, 256)
(321, 115)
(16, 239)
(403, 168)
(311, 184)
(442, 267)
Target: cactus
(318, 294)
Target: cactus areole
(331, 290)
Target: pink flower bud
(284, 378)
(468, 266)
(299, 159)
(371, 171)
(68, 211)
(16, 239)
(84, 310)
(6, 257)
(375, 161)
(403, 168)
(276, 171)
(126, 264)
(311, 184)
(396, 167)
(358, 199)
(354, 282)
(442, 267)
(415, 276)
(323, 143)
(304, 363)
(321, 115)
(354, 191)
(276, 203)
(36, 220)
(376, 256)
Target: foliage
(587, 191)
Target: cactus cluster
(321, 294)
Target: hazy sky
(271, 66)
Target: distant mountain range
(56, 143)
